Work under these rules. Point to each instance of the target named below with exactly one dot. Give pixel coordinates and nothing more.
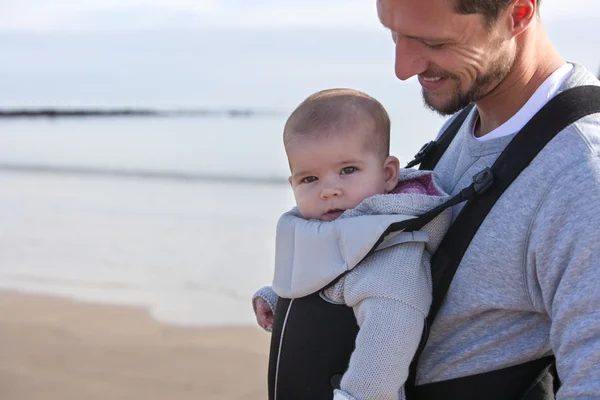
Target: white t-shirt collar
(542, 95)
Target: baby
(337, 143)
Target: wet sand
(53, 348)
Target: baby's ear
(391, 168)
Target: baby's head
(337, 143)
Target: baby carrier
(306, 328)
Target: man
(528, 284)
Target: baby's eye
(309, 179)
(348, 170)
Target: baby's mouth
(332, 214)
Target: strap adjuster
(425, 149)
(420, 156)
(483, 180)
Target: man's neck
(534, 63)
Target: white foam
(190, 253)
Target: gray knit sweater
(390, 291)
(529, 283)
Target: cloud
(359, 14)
(572, 9)
(136, 15)
(131, 15)
(79, 15)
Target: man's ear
(520, 15)
(391, 168)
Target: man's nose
(409, 60)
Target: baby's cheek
(306, 211)
(307, 201)
(302, 211)
(303, 206)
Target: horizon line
(52, 112)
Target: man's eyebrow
(429, 40)
(422, 38)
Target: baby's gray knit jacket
(390, 290)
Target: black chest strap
(532, 380)
(563, 110)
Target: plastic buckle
(420, 156)
(336, 381)
(483, 180)
(427, 147)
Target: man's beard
(482, 86)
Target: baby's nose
(330, 191)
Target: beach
(131, 246)
(131, 286)
(130, 250)
(56, 348)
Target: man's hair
(490, 9)
(332, 110)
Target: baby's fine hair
(334, 110)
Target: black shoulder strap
(563, 110)
(431, 152)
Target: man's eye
(309, 179)
(434, 45)
(349, 170)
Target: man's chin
(443, 105)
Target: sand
(52, 348)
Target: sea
(175, 215)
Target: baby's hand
(264, 314)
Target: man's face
(458, 60)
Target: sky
(85, 15)
(216, 53)
(103, 15)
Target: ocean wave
(139, 174)
(189, 286)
